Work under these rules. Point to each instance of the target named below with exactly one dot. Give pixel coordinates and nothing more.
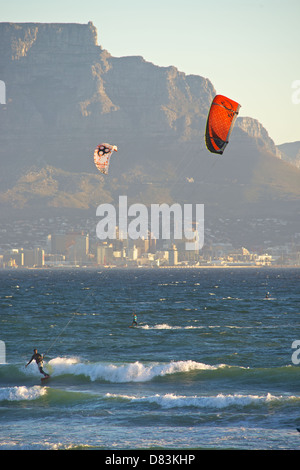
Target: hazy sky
(250, 50)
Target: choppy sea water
(209, 366)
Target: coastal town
(42, 245)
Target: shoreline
(70, 267)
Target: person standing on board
(38, 358)
(134, 320)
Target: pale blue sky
(250, 50)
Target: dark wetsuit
(38, 358)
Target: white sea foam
(22, 393)
(162, 326)
(219, 401)
(120, 373)
(165, 326)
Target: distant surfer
(38, 358)
(267, 295)
(134, 320)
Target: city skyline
(74, 249)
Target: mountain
(65, 94)
(291, 152)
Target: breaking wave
(219, 401)
(121, 373)
(21, 393)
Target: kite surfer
(38, 358)
(134, 320)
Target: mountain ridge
(65, 94)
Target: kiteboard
(45, 378)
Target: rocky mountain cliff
(291, 152)
(65, 94)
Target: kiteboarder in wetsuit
(134, 320)
(38, 358)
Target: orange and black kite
(221, 118)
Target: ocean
(212, 363)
